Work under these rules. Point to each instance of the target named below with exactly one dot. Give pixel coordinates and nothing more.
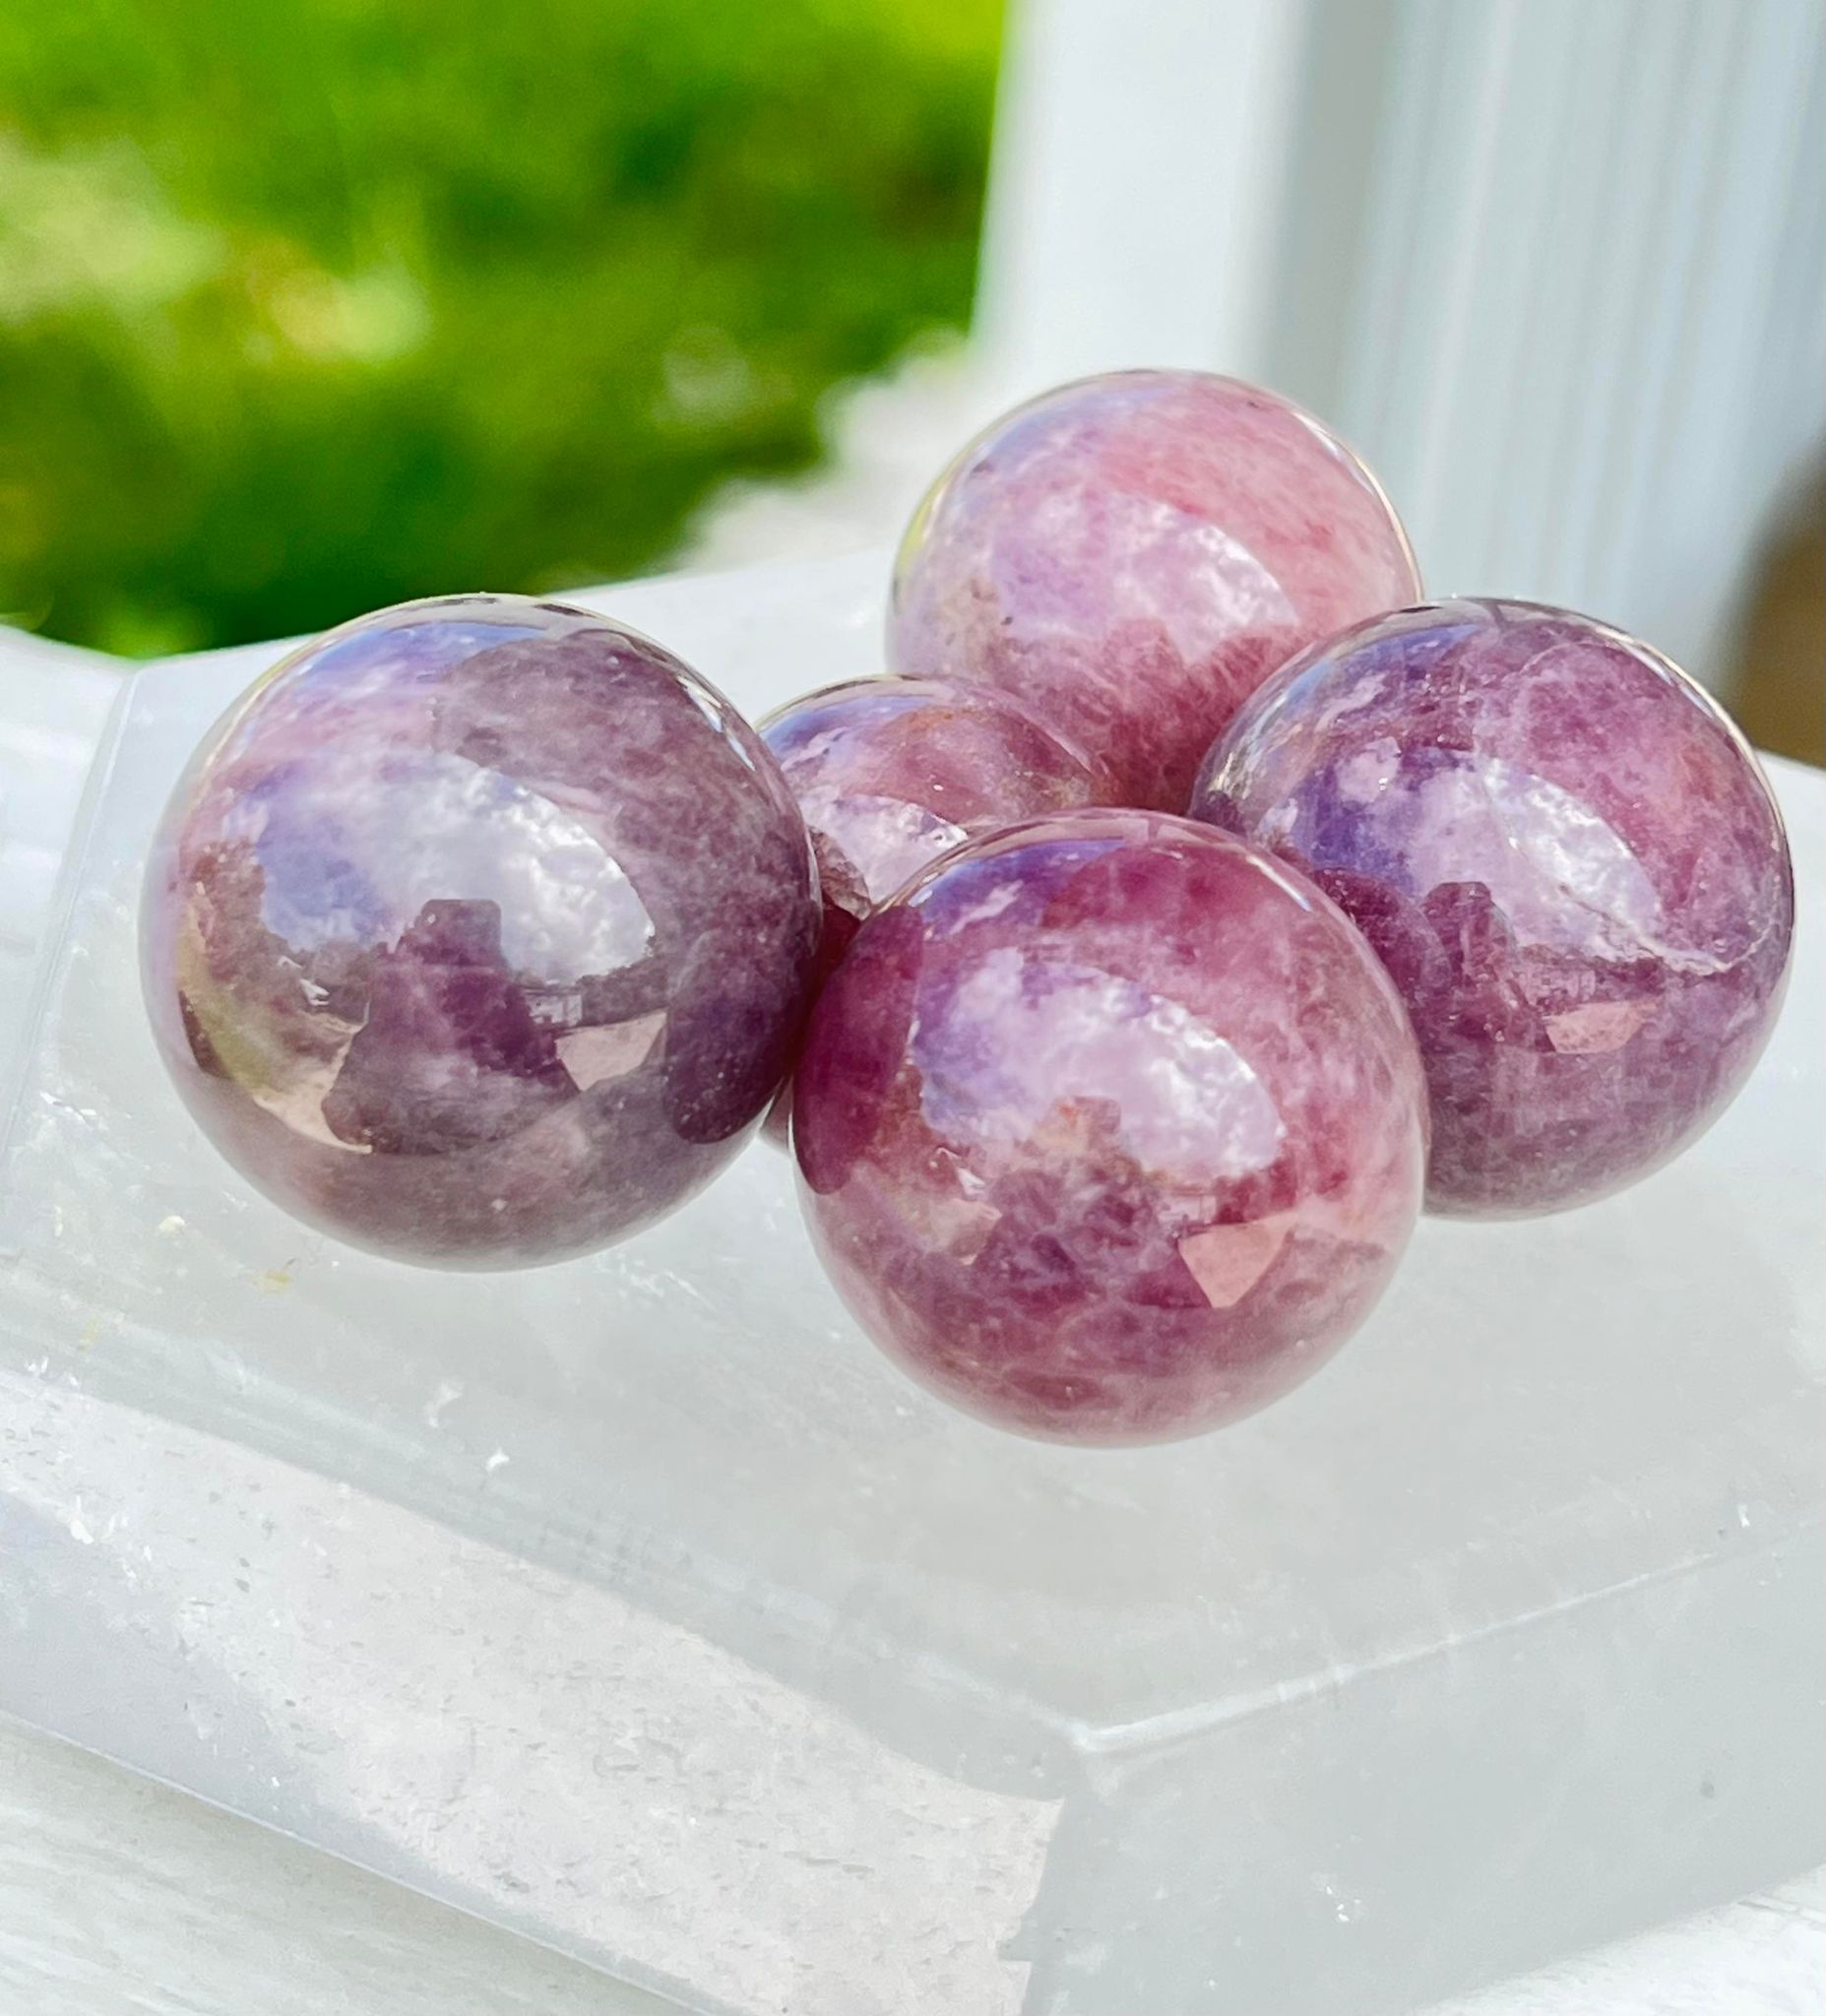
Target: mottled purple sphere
(1109, 1127)
(1133, 554)
(892, 772)
(480, 933)
(1571, 866)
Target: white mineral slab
(638, 1607)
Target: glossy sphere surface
(1569, 862)
(1109, 1128)
(479, 932)
(1133, 554)
(892, 772)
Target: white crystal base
(640, 1607)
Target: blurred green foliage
(310, 305)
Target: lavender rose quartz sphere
(892, 772)
(1109, 1128)
(480, 932)
(1133, 554)
(1567, 858)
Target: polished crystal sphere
(479, 932)
(891, 773)
(1110, 1128)
(1133, 554)
(1569, 862)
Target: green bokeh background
(310, 305)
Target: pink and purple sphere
(1133, 554)
(1569, 862)
(1109, 1127)
(891, 773)
(480, 933)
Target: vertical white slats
(1583, 346)
(1135, 195)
